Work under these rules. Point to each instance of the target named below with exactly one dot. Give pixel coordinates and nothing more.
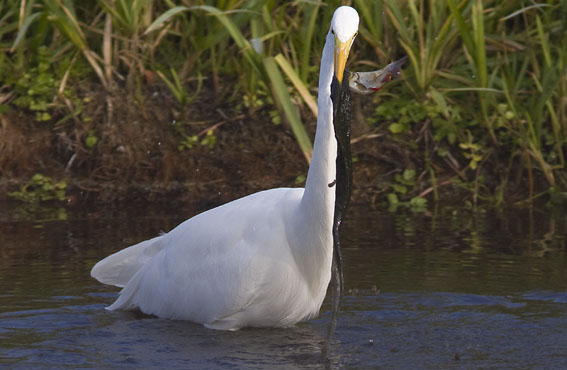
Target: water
(447, 289)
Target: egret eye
(332, 31)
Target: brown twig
(365, 137)
(432, 188)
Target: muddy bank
(138, 156)
(120, 149)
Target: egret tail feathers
(118, 268)
(124, 301)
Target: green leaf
(396, 128)
(400, 189)
(418, 202)
(91, 140)
(440, 101)
(409, 175)
(393, 199)
(300, 179)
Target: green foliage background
(483, 95)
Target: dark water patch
(449, 289)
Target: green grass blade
(397, 19)
(270, 35)
(308, 33)
(280, 92)
(237, 36)
(297, 82)
(544, 43)
(249, 54)
(463, 89)
(371, 13)
(414, 61)
(444, 36)
(22, 32)
(461, 25)
(174, 86)
(480, 49)
(525, 9)
(165, 17)
(68, 30)
(66, 21)
(556, 126)
(230, 26)
(550, 81)
(126, 13)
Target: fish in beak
(369, 82)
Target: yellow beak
(342, 49)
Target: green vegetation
(481, 103)
(403, 182)
(35, 88)
(41, 188)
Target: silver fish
(369, 82)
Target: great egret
(259, 261)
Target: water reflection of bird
(262, 260)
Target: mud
(137, 155)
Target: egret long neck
(317, 204)
(319, 196)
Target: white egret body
(263, 260)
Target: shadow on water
(449, 289)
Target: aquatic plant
(41, 188)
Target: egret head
(344, 27)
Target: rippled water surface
(446, 289)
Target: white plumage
(263, 260)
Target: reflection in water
(459, 251)
(446, 289)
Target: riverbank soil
(211, 151)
